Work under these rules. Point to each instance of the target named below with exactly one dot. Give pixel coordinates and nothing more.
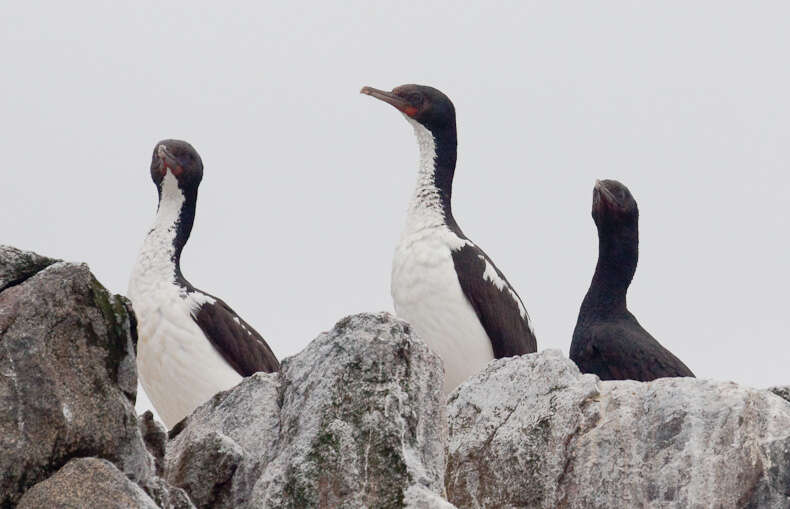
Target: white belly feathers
(427, 294)
(179, 368)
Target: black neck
(444, 164)
(186, 218)
(446, 146)
(618, 253)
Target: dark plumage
(466, 311)
(236, 341)
(191, 344)
(497, 309)
(608, 340)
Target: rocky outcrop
(532, 431)
(354, 420)
(67, 376)
(358, 419)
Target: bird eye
(415, 99)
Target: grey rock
(86, 482)
(67, 377)
(207, 465)
(357, 419)
(239, 428)
(16, 266)
(782, 391)
(165, 495)
(420, 497)
(155, 437)
(532, 431)
(362, 420)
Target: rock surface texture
(355, 420)
(783, 392)
(67, 376)
(532, 431)
(358, 419)
(87, 482)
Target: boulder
(67, 374)
(357, 419)
(68, 384)
(87, 482)
(16, 265)
(532, 431)
(217, 453)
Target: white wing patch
(491, 274)
(243, 327)
(196, 299)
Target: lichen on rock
(358, 419)
(354, 420)
(67, 376)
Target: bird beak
(601, 188)
(168, 160)
(388, 97)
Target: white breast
(427, 294)
(425, 287)
(178, 367)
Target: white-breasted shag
(191, 345)
(443, 284)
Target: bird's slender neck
(430, 203)
(172, 226)
(618, 253)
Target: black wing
(238, 343)
(624, 351)
(497, 310)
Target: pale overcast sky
(306, 182)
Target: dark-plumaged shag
(608, 340)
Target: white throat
(425, 208)
(156, 259)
